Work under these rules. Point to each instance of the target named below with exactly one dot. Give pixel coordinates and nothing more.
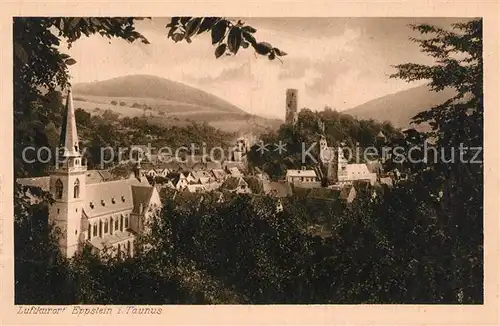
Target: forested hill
(338, 128)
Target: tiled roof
(109, 240)
(235, 172)
(104, 193)
(345, 192)
(219, 174)
(233, 183)
(301, 173)
(141, 195)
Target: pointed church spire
(69, 136)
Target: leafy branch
(228, 36)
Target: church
(107, 215)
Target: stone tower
(291, 106)
(67, 185)
(329, 162)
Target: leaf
(20, 53)
(184, 20)
(263, 48)
(234, 39)
(74, 22)
(192, 27)
(61, 24)
(218, 31)
(64, 56)
(70, 61)
(206, 24)
(177, 37)
(220, 50)
(95, 21)
(249, 29)
(279, 52)
(249, 37)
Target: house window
(123, 198)
(121, 223)
(103, 203)
(94, 233)
(128, 248)
(116, 224)
(76, 210)
(119, 251)
(113, 200)
(126, 222)
(76, 189)
(89, 235)
(100, 228)
(59, 189)
(58, 211)
(92, 204)
(106, 226)
(111, 226)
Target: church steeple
(68, 143)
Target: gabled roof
(235, 172)
(219, 173)
(233, 183)
(345, 192)
(301, 173)
(141, 195)
(96, 193)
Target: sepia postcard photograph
(230, 160)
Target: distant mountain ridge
(147, 86)
(399, 108)
(166, 102)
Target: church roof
(109, 240)
(141, 195)
(69, 136)
(110, 197)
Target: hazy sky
(339, 62)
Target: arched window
(95, 230)
(117, 226)
(128, 248)
(126, 222)
(106, 226)
(76, 189)
(100, 228)
(89, 231)
(111, 225)
(121, 223)
(59, 189)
